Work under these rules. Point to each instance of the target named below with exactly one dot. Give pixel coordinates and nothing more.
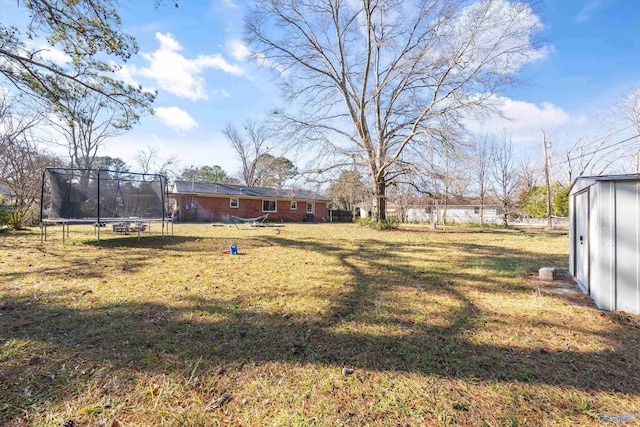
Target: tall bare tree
(373, 77)
(148, 160)
(629, 110)
(481, 166)
(21, 162)
(250, 144)
(85, 122)
(590, 156)
(505, 175)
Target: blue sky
(194, 58)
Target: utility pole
(546, 178)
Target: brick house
(198, 201)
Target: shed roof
(219, 189)
(582, 182)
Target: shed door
(582, 239)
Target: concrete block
(547, 273)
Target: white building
(604, 238)
(427, 209)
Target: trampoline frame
(98, 221)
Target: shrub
(385, 224)
(363, 221)
(5, 217)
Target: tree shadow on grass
(354, 331)
(161, 339)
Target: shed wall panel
(594, 233)
(572, 224)
(626, 245)
(602, 289)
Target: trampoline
(130, 201)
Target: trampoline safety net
(87, 194)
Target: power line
(595, 151)
(534, 147)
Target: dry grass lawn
(439, 327)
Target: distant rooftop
(4, 189)
(212, 189)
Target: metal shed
(604, 236)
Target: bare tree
(85, 122)
(591, 156)
(373, 77)
(505, 175)
(481, 166)
(629, 110)
(21, 163)
(249, 145)
(149, 161)
(528, 175)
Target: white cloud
(237, 49)
(179, 75)
(54, 55)
(588, 10)
(221, 93)
(48, 52)
(228, 4)
(125, 74)
(523, 120)
(176, 118)
(498, 26)
(263, 61)
(525, 115)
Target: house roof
(583, 182)
(454, 201)
(6, 191)
(219, 189)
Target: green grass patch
(440, 327)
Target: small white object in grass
(547, 273)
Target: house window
(234, 203)
(269, 206)
(309, 207)
(476, 211)
(294, 205)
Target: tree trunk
(505, 214)
(381, 201)
(481, 204)
(445, 205)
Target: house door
(582, 239)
